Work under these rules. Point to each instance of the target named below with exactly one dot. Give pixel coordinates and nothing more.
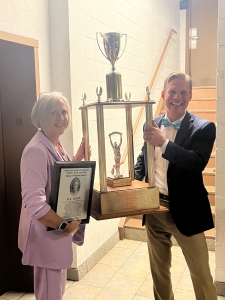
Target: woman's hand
(72, 227)
(81, 151)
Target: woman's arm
(34, 179)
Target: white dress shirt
(161, 164)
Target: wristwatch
(62, 226)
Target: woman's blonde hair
(42, 108)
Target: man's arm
(196, 157)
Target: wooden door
(17, 96)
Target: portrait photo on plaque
(72, 190)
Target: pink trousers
(49, 284)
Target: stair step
(211, 195)
(202, 103)
(209, 177)
(204, 91)
(211, 162)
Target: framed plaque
(72, 189)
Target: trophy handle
(124, 45)
(99, 45)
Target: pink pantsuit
(41, 248)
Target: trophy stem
(114, 86)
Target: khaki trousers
(160, 227)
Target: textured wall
(147, 25)
(220, 150)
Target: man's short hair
(176, 75)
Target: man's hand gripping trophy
(117, 155)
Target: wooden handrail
(172, 31)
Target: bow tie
(175, 125)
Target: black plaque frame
(56, 179)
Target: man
(181, 155)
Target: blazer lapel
(48, 144)
(185, 129)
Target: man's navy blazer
(187, 155)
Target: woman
(75, 186)
(49, 252)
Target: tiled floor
(123, 274)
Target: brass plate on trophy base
(127, 199)
(116, 182)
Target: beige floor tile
(116, 256)
(129, 244)
(143, 298)
(133, 270)
(28, 296)
(99, 275)
(141, 253)
(176, 251)
(81, 292)
(185, 282)
(121, 289)
(11, 295)
(146, 289)
(184, 294)
(68, 283)
(124, 274)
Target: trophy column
(85, 129)
(150, 149)
(130, 142)
(101, 148)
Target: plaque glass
(72, 189)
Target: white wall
(71, 62)
(220, 150)
(30, 19)
(147, 25)
(182, 39)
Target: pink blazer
(41, 248)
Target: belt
(164, 197)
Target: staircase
(203, 104)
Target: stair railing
(159, 107)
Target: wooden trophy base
(125, 201)
(118, 182)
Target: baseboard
(77, 273)
(220, 287)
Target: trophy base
(129, 199)
(116, 182)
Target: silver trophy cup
(111, 42)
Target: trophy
(118, 195)
(111, 42)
